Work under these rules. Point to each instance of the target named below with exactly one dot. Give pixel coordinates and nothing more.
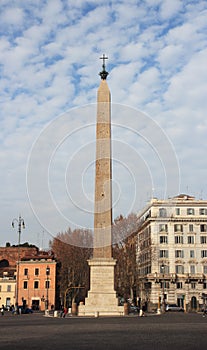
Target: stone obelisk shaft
(102, 298)
(103, 176)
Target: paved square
(154, 332)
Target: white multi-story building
(7, 289)
(172, 253)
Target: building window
(192, 254)
(25, 284)
(163, 239)
(191, 240)
(191, 228)
(47, 284)
(205, 285)
(36, 272)
(203, 211)
(193, 285)
(36, 284)
(163, 227)
(205, 269)
(203, 228)
(0, 289)
(179, 285)
(177, 211)
(190, 211)
(178, 239)
(165, 270)
(8, 302)
(203, 253)
(203, 239)
(178, 228)
(179, 269)
(8, 288)
(162, 212)
(192, 269)
(163, 253)
(166, 285)
(25, 272)
(179, 254)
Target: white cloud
(188, 87)
(49, 54)
(170, 8)
(12, 16)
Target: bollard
(126, 309)
(46, 312)
(74, 309)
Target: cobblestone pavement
(168, 331)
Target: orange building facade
(28, 278)
(37, 283)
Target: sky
(49, 76)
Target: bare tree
(72, 249)
(124, 251)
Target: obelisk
(102, 299)
(103, 177)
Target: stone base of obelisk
(102, 299)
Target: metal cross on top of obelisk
(104, 73)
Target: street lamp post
(20, 223)
(28, 290)
(47, 285)
(163, 287)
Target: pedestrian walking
(61, 311)
(2, 310)
(12, 309)
(204, 311)
(142, 310)
(65, 311)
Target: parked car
(133, 309)
(26, 311)
(173, 307)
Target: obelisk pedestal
(102, 299)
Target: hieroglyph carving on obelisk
(103, 177)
